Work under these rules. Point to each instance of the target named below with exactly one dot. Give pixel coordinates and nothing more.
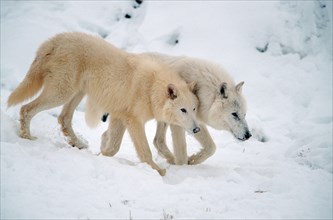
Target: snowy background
(283, 52)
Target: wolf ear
(239, 87)
(223, 90)
(193, 86)
(172, 92)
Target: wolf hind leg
(65, 120)
(49, 98)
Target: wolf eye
(183, 110)
(194, 109)
(235, 115)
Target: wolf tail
(34, 79)
(31, 84)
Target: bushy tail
(31, 84)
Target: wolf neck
(158, 98)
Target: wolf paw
(27, 136)
(162, 172)
(108, 153)
(79, 144)
(193, 160)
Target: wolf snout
(196, 130)
(247, 135)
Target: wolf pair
(184, 93)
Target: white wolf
(133, 88)
(221, 106)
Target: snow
(283, 52)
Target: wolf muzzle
(196, 130)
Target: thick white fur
(132, 88)
(216, 109)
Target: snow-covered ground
(283, 52)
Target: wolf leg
(208, 145)
(179, 144)
(137, 132)
(49, 98)
(112, 137)
(160, 143)
(65, 120)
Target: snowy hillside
(283, 52)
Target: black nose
(105, 117)
(247, 135)
(196, 130)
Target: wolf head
(228, 111)
(181, 106)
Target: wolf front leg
(136, 130)
(208, 146)
(160, 143)
(112, 137)
(179, 144)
